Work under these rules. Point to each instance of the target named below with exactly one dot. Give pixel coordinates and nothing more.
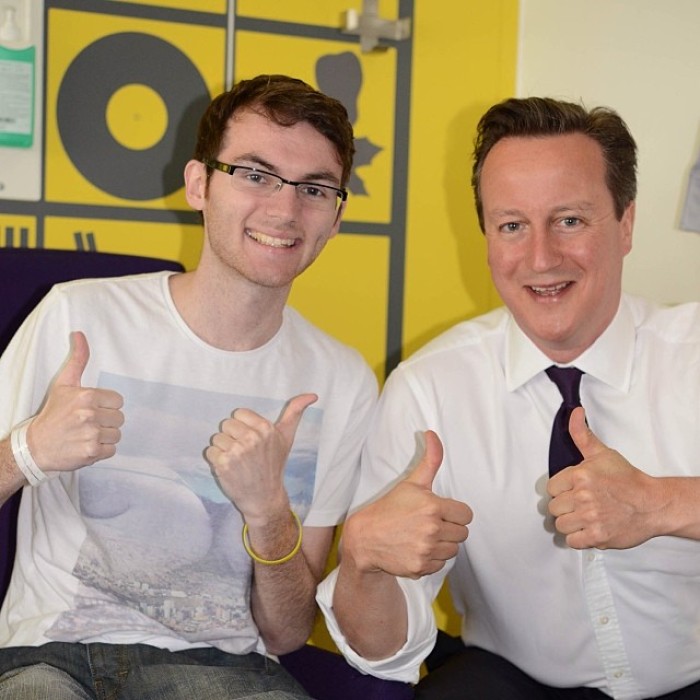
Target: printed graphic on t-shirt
(162, 552)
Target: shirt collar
(609, 359)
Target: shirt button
(619, 674)
(604, 619)
(590, 556)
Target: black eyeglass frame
(229, 169)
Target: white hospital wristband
(20, 450)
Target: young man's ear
(196, 184)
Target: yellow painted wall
(464, 60)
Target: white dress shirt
(624, 621)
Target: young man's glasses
(264, 184)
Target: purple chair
(26, 274)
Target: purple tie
(562, 451)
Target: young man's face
(266, 240)
(555, 247)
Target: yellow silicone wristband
(272, 562)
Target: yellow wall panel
(345, 293)
(464, 60)
(169, 241)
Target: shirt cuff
(405, 664)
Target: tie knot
(568, 381)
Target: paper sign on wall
(17, 97)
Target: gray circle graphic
(95, 74)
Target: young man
(582, 583)
(175, 449)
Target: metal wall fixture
(370, 27)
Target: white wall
(642, 58)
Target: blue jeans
(67, 671)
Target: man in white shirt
(192, 441)
(581, 584)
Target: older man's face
(555, 247)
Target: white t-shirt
(145, 547)
(625, 621)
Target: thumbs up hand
(410, 531)
(604, 501)
(248, 457)
(76, 426)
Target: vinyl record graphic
(91, 80)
